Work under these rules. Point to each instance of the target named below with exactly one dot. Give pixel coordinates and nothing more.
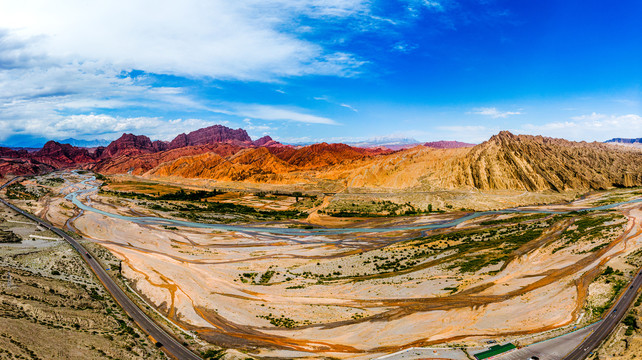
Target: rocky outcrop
(504, 162)
(211, 135)
(159, 145)
(536, 163)
(62, 155)
(262, 163)
(129, 144)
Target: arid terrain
(334, 179)
(276, 285)
(254, 248)
(48, 297)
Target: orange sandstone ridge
(504, 162)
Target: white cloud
(71, 58)
(266, 112)
(257, 130)
(331, 101)
(100, 127)
(222, 39)
(592, 126)
(349, 107)
(493, 112)
(403, 47)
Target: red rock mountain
(129, 144)
(267, 142)
(261, 164)
(138, 164)
(211, 135)
(10, 153)
(323, 154)
(504, 162)
(256, 164)
(23, 167)
(62, 155)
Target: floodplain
(302, 275)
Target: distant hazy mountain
(630, 143)
(85, 143)
(392, 143)
(625, 141)
(442, 144)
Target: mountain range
(504, 162)
(392, 143)
(625, 141)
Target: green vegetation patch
(51, 181)
(514, 219)
(189, 205)
(282, 321)
(631, 324)
(590, 227)
(373, 209)
(618, 281)
(266, 277)
(17, 191)
(213, 354)
(180, 195)
(494, 351)
(9, 237)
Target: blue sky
(324, 70)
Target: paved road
(551, 349)
(610, 321)
(171, 345)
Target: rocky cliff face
(536, 163)
(263, 164)
(211, 135)
(129, 144)
(505, 162)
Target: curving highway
(609, 322)
(171, 345)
